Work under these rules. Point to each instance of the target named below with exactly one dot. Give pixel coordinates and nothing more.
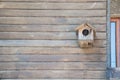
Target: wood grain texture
(52, 58)
(50, 51)
(50, 74)
(55, 0)
(51, 20)
(54, 79)
(22, 5)
(38, 40)
(52, 66)
(44, 35)
(52, 13)
(46, 28)
(47, 43)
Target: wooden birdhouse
(86, 35)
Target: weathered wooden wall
(115, 8)
(38, 40)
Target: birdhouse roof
(83, 26)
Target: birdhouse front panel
(88, 35)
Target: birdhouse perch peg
(86, 35)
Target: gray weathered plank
(55, 0)
(44, 35)
(53, 79)
(52, 58)
(47, 43)
(52, 66)
(52, 20)
(22, 5)
(41, 13)
(50, 51)
(52, 74)
(46, 28)
(95, 74)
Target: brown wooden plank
(52, 58)
(47, 43)
(41, 13)
(52, 66)
(51, 20)
(52, 74)
(22, 5)
(50, 51)
(44, 28)
(55, 0)
(44, 35)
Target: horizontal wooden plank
(44, 28)
(52, 66)
(22, 5)
(53, 74)
(50, 51)
(47, 43)
(52, 20)
(95, 74)
(53, 79)
(52, 58)
(44, 35)
(55, 0)
(41, 13)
